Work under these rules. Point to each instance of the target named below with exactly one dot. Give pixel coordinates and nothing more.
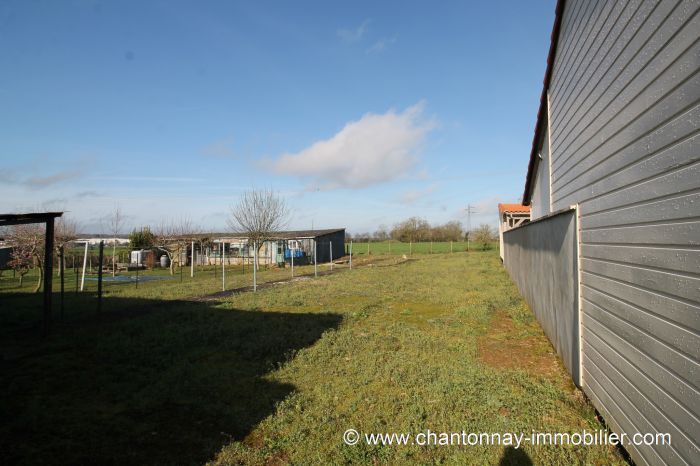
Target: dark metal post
(61, 258)
(76, 279)
(99, 277)
(48, 275)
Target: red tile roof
(512, 208)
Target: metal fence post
(330, 247)
(350, 255)
(255, 266)
(99, 277)
(61, 269)
(315, 259)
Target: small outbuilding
(510, 216)
(303, 245)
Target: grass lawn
(441, 342)
(425, 247)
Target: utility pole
(470, 211)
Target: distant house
(610, 263)
(510, 216)
(303, 245)
(109, 240)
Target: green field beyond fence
(423, 247)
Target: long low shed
(304, 244)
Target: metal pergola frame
(48, 219)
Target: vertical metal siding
(624, 119)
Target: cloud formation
(220, 150)
(381, 45)
(372, 150)
(44, 181)
(354, 35)
(411, 196)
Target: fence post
(330, 247)
(99, 277)
(61, 269)
(410, 248)
(351, 255)
(291, 254)
(223, 267)
(315, 259)
(255, 266)
(82, 280)
(192, 262)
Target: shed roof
(542, 112)
(289, 234)
(21, 219)
(513, 208)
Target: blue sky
(358, 113)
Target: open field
(424, 247)
(440, 342)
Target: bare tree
(115, 224)
(413, 229)
(260, 214)
(27, 243)
(173, 239)
(66, 230)
(485, 235)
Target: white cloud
(412, 195)
(44, 181)
(381, 45)
(372, 150)
(220, 150)
(354, 35)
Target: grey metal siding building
(617, 143)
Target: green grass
(425, 247)
(276, 377)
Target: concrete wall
(541, 259)
(624, 113)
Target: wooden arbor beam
(48, 219)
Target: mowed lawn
(440, 342)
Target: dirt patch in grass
(503, 348)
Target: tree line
(416, 229)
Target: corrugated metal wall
(624, 115)
(541, 257)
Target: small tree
(66, 231)
(484, 235)
(21, 260)
(115, 224)
(27, 243)
(260, 214)
(142, 239)
(173, 239)
(413, 229)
